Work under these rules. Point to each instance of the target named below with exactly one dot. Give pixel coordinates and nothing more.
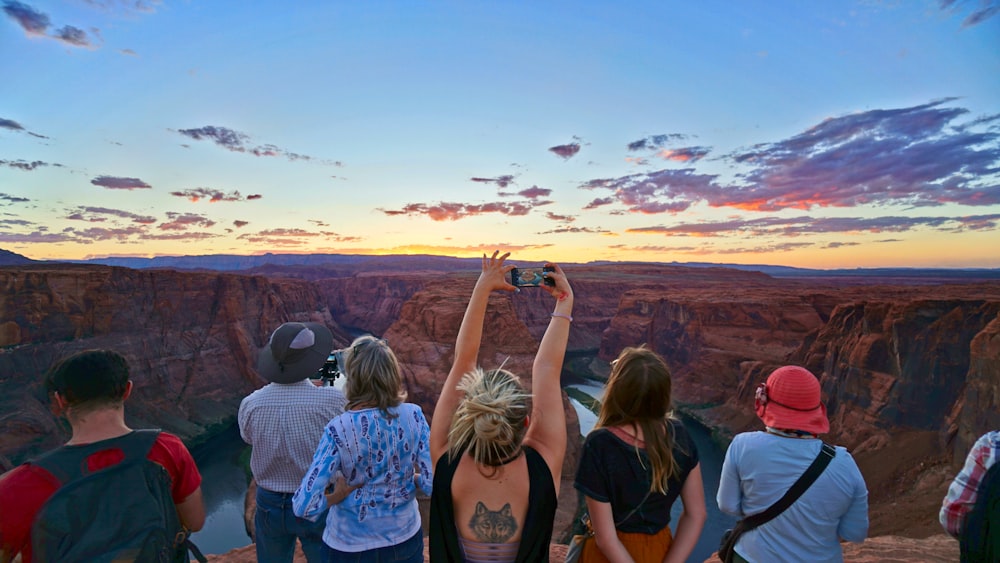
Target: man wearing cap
(283, 422)
(760, 467)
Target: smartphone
(531, 277)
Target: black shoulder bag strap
(826, 454)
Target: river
(224, 484)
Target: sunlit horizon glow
(842, 135)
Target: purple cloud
(916, 156)
(240, 224)
(73, 36)
(15, 126)
(97, 214)
(557, 217)
(566, 151)
(795, 226)
(450, 211)
(534, 192)
(500, 181)
(182, 221)
(212, 195)
(236, 141)
(13, 199)
(31, 21)
(655, 141)
(25, 165)
(120, 183)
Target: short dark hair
(95, 377)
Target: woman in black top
(635, 464)
(498, 450)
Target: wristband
(562, 316)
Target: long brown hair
(373, 377)
(638, 394)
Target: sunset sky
(799, 133)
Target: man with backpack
(110, 493)
(971, 510)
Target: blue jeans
(276, 528)
(410, 551)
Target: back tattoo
(493, 527)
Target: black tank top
(537, 532)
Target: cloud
(128, 52)
(571, 229)
(73, 36)
(685, 154)
(212, 195)
(236, 141)
(25, 165)
(15, 126)
(599, 202)
(450, 211)
(240, 224)
(500, 181)
(31, 21)
(655, 141)
(125, 7)
(13, 199)
(556, 217)
(534, 192)
(96, 215)
(182, 221)
(916, 157)
(986, 10)
(35, 24)
(34, 237)
(566, 151)
(806, 225)
(120, 183)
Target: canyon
(909, 366)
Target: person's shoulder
(25, 475)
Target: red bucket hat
(790, 400)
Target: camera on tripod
(332, 368)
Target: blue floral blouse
(389, 457)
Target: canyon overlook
(910, 369)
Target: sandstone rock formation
(911, 372)
(190, 338)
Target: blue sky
(814, 134)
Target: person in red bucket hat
(761, 466)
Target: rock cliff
(190, 338)
(910, 373)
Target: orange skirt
(644, 548)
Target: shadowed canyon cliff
(910, 371)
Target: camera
(332, 368)
(531, 277)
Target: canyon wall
(190, 339)
(910, 373)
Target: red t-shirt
(25, 489)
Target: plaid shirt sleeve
(962, 493)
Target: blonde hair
(373, 376)
(490, 422)
(638, 394)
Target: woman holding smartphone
(497, 467)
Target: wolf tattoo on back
(493, 526)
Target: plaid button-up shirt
(283, 423)
(963, 491)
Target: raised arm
(470, 335)
(547, 428)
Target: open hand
(494, 275)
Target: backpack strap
(69, 463)
(826, 454)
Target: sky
(811, 134)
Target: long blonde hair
(490, 422)
(638, 394)
(373, 377)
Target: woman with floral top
(381, 447)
